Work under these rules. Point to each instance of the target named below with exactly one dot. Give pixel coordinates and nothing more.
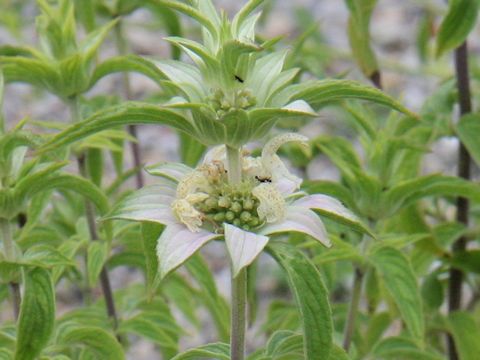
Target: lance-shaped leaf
(37, 315)
(322, 92)
(407, 192)
(177, 243)
(468, 129)
(466, 332)
(126, 114)
(399, 279)
(243, 247)
(31, 186)
(311, 297)
(220, 351)
(457, 24)
(402, 347)
(97, 340)
(359, 34)
(127, 63)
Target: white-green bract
(198, 205)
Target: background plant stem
(464, 100)
(353, 309)
(9, 249)
(122, 49)
(92, 227)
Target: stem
(239, 316)
(464, 100)
(234, 165)
(92, 226)
(376, 79)
(10, 256)
(122, 49)
(353, 309)
(239, 283)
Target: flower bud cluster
(233, 206)
(223, 103)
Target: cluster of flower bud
(235, 207)
(223, 103)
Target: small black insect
(263, 179)
(239, 79)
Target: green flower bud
(229, 215)
(211, 202)
(219, 217)
(236, 207)
(254, 222)
(245, 227)
(237, 222)
(248, 204)
(224, 202)
(245, 216)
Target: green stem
(122, 49)
(239, 316)
(239, 283)
(234, 165)
(9, 248)
(353, 309)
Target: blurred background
(316, 32)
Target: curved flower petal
(177, 244)
(286, 181)
(326, 204)
(272, 203)
(170, 171)
(151, 203)
(243, 246)
(300, 219)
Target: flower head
(198, 205)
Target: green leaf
(311, 297)
(6, 354)
(457, 24)
(402, 348)
(407, 192)
(397, 274)
(466, 333)
(468, 261)
(94, 164)
(37, 315)
(215, 303)
(33, 186)
(104, 345)
(322, 92)
(129, 113)
(96, 257)
(191, 150)
(359, 35)
(127, 63)
(219, 351)
(150, 234)
(468, 129)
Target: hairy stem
(464, 100)
(239, 283)
(353, 309)
(122, 49)
(92, 226)
(239, 316)
(234, 165)
(9, 249)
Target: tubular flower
(199, 205)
